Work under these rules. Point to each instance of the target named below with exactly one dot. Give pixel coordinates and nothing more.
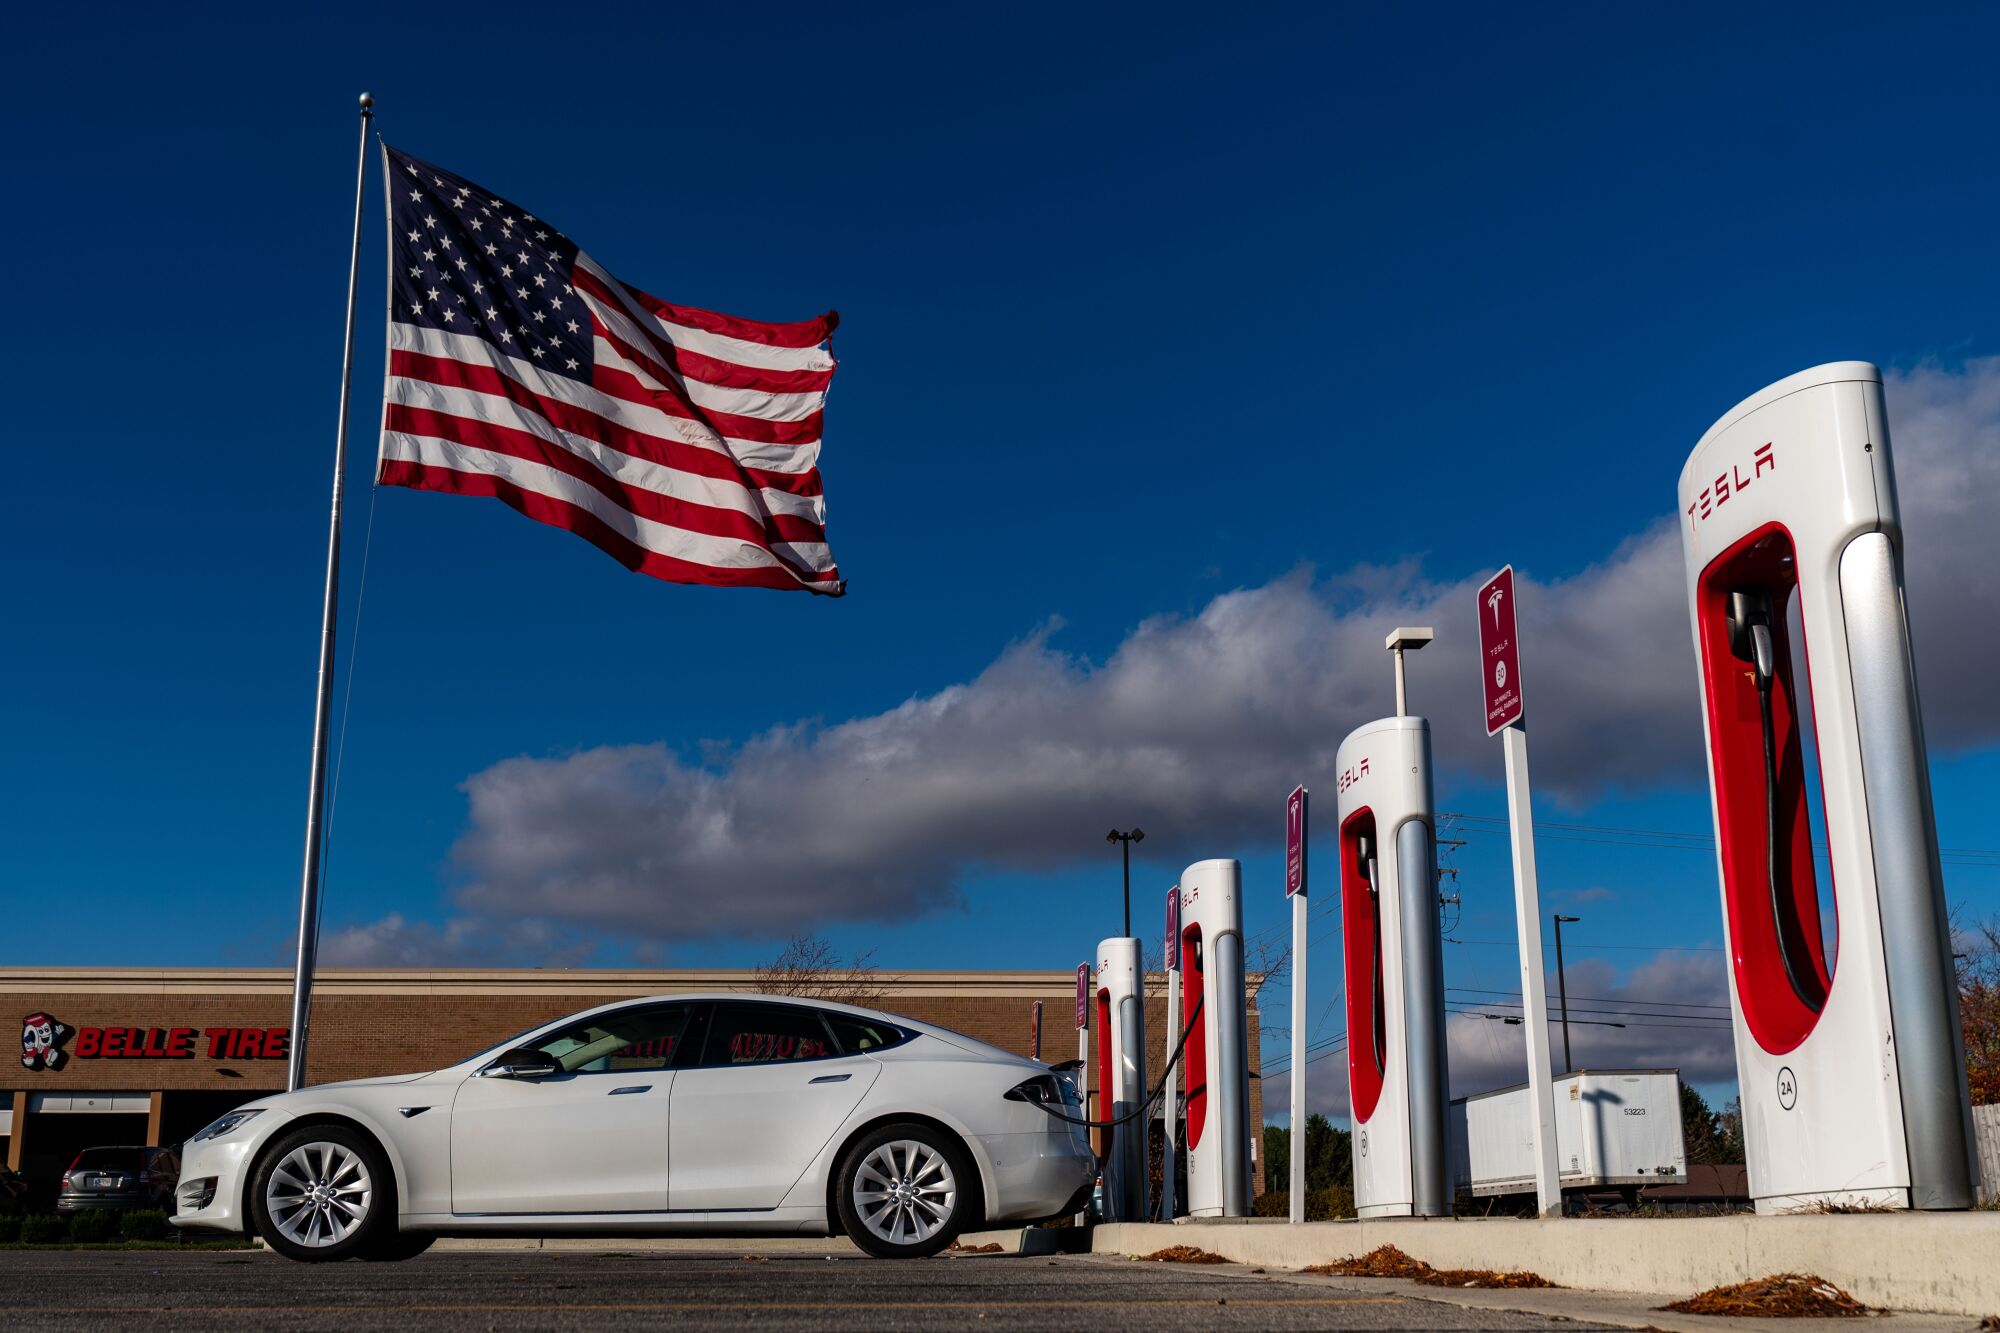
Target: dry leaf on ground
(1482, 1277)
(1183, 1254)
(1780, 1296)
(1383, 1261)
(1388, 1261)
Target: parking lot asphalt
(699, 1290)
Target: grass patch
(1780, 1296)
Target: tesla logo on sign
(1500, 653)
(1295, 842)
(1717, 493)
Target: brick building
(149, 1055)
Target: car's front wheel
(323, 1193)
(905, 1191)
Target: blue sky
(1173, 353)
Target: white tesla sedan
(683, 1114)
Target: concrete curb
(1948, 1263)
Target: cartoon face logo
(41, 1042)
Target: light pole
(1562, 986)
(1405, 638)
(1127, 839)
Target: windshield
(110, 1159)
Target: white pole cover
(1534, 986)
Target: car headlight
(228, 1124)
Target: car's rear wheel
(323, 1193)
(905, 1191)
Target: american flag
(682, 442)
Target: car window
(856, 1035)
(110, 1159)
(764, 1034)
(645, 1038)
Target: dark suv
(120, 1178)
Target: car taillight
(1042, 1090)
(65, 1181)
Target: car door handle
(636, 1087)
(831, 1078)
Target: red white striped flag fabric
(683, 442)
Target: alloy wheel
(905, 1192)
(319, 1194)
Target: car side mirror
(523, 1062)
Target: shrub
(10, 1230)
(93, 1228)
(145, 1224)
(42, 1229)
(1322, 1205)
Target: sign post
(1500, 673)
(1295, 889)
(1170, 1099)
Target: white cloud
(1190, 726)
(395, 941)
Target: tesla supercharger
(1398, 1088)
(1216, 1054)
(1121, 1075)
(1849, 1062)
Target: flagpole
(302, 974)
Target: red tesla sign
(1500, 652)
(1083, 995)
(1173, 953)
(1295, 842)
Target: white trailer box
(1614, 1127)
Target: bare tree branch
(809, 968)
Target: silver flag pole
(302, 974)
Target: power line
(1600, 999)
(1621, 835)
(1585, 944)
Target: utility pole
(1126, 840)
(1562, 987)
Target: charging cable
(1764, 664)
(1151, 1097)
